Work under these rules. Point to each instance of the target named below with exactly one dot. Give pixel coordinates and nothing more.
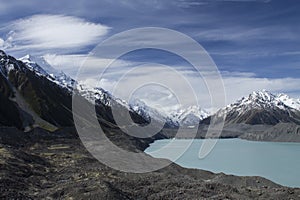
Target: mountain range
(41, 69)
(188, 117)
(33, 96)
(37, 95)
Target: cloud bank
(53, 32)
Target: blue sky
(254, 40)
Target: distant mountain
(150, 113)
(190, 116)
(260, 116)
(262, 107)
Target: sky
(254, 43)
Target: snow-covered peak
(288, 101)
(32, 65)
(41, 67)
(146, 111)
(189, 116)
(40, 60)
(263, 95)
(26, 58)
(94, 94)
(262, 100)
(191, 110)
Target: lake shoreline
(262, 148)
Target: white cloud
(54, 32)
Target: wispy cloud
(246, 34)
(53, 32)
(191, 3)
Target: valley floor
(39, 165)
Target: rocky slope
(42, 96)
(30, 92)
(43, 165)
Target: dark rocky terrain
(43, 165)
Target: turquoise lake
(276, 161)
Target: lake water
(276, 161)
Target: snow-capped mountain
(30, 98)
(258, 107)
(42, 68)
(187, 117)
(288, 101)
(95, 95)
(144, 110)
(263, 100)
(190, 116)
(262, 107)
(34, 63)
(36, 95)
(149, 113)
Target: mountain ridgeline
(37, 95)
(260, 116)
(41, 96)
(33, 97)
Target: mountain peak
(288, 101)
(43, 68)
(189, 116)
(257, 99)
(40, 61)
(263, 95)
(25, 58)
(263, 100)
